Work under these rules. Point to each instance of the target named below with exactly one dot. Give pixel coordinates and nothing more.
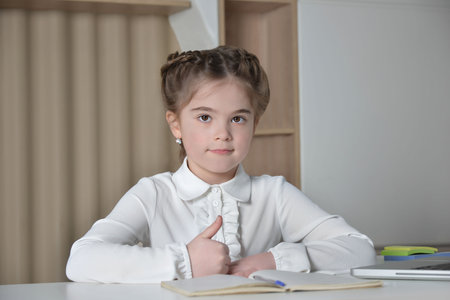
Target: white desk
(392, 289)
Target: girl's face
(216, 127)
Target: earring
(178, 141)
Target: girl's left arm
(315, 240)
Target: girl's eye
(238, 119)
(204, 118)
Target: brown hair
(183, 73)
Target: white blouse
(144, 238)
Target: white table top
(392, 289)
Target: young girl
(211, 217)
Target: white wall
(375, 115)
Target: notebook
(429, 268)
(265, 281)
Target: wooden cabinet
(269, 30)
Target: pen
(277, 282)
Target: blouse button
(215, 190)
(216, 203)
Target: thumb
(212, 229)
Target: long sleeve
(110, 252)
(315, 240)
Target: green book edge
(407, 250)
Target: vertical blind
(81, 120)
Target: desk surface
(392, 289)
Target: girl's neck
(211, 177)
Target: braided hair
(184, 72)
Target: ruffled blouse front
(210, 201)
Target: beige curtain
(81, 122)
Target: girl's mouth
(221, 151)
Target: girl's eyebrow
(202, 108)
(209, 109)
(243, 111)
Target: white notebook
(265, 281)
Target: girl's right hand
(207, 256)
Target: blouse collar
(189, 186)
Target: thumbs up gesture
(208, 256)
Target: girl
(211, 217)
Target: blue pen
(277, 282)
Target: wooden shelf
(269, 30)
(275, 131)
(160, 7)
(256, 6)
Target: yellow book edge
(243, 289)
(407, 250)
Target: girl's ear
(174, 124)
(255, 124)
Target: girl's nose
(223, 133)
